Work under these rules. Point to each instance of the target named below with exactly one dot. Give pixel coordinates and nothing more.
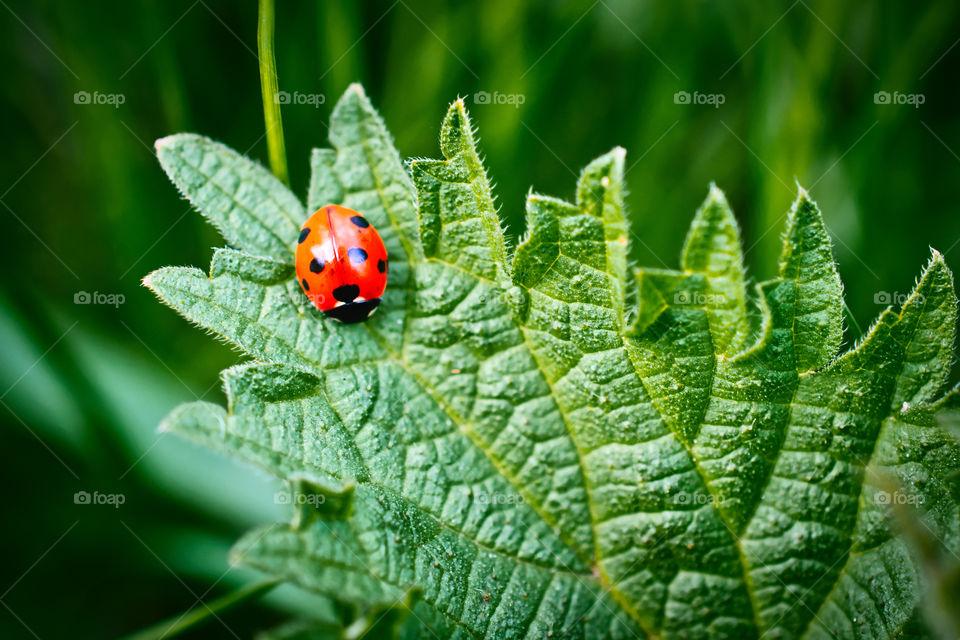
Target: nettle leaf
(541, 440)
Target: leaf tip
(616, 157)
(354, 98)
(356, 89)
(936, 268)
(937, 271)
(162, 143)
(458, 109)
(352, 107)
(936, 258)
(803, 201)
(612, 159)
(176, 140)
(714, 214)
(715, 196)
(236, 558)
(456, 132)
(153, 280)
(803, 214)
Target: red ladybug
(341, 263)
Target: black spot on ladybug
(360, 221)
(303, 234)
(346, 292)
(316, 266)
(357, 255)
(382, 266)
(306, 287)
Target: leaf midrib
(461, 423)
(401, 360)
(462, 426)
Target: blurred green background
(86, 208)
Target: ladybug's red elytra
(341, 263)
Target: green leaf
(809, 291)
(458, 222)
(244, 201)
(543, 441)
(713, 250)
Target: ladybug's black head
(351, 312)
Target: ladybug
(341, 263)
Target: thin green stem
(270, 92)
(176, 625)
